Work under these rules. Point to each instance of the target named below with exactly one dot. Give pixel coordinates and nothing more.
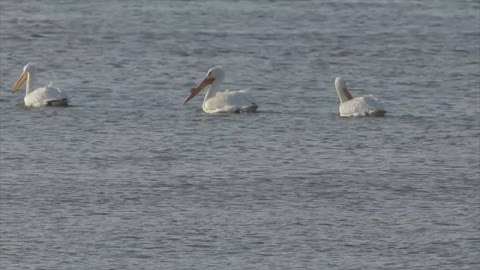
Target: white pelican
(43, 96)
(227, 101)
(359, 106)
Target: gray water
(128, 177)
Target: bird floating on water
(227, 101)
(359, 106)
(43, 96)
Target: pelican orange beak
(20, 81)
(347, 93)
(194, 91)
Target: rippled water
(130, 178)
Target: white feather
(227, 101)
(41, 96)
(230, 101)
(47, 95)
(361, 106)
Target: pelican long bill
(347, 93)
(20, 81)
(194, 91)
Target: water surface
(130, 178)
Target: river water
(128, 177)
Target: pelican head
(28, 69)
(213, 74)
(342, 90)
